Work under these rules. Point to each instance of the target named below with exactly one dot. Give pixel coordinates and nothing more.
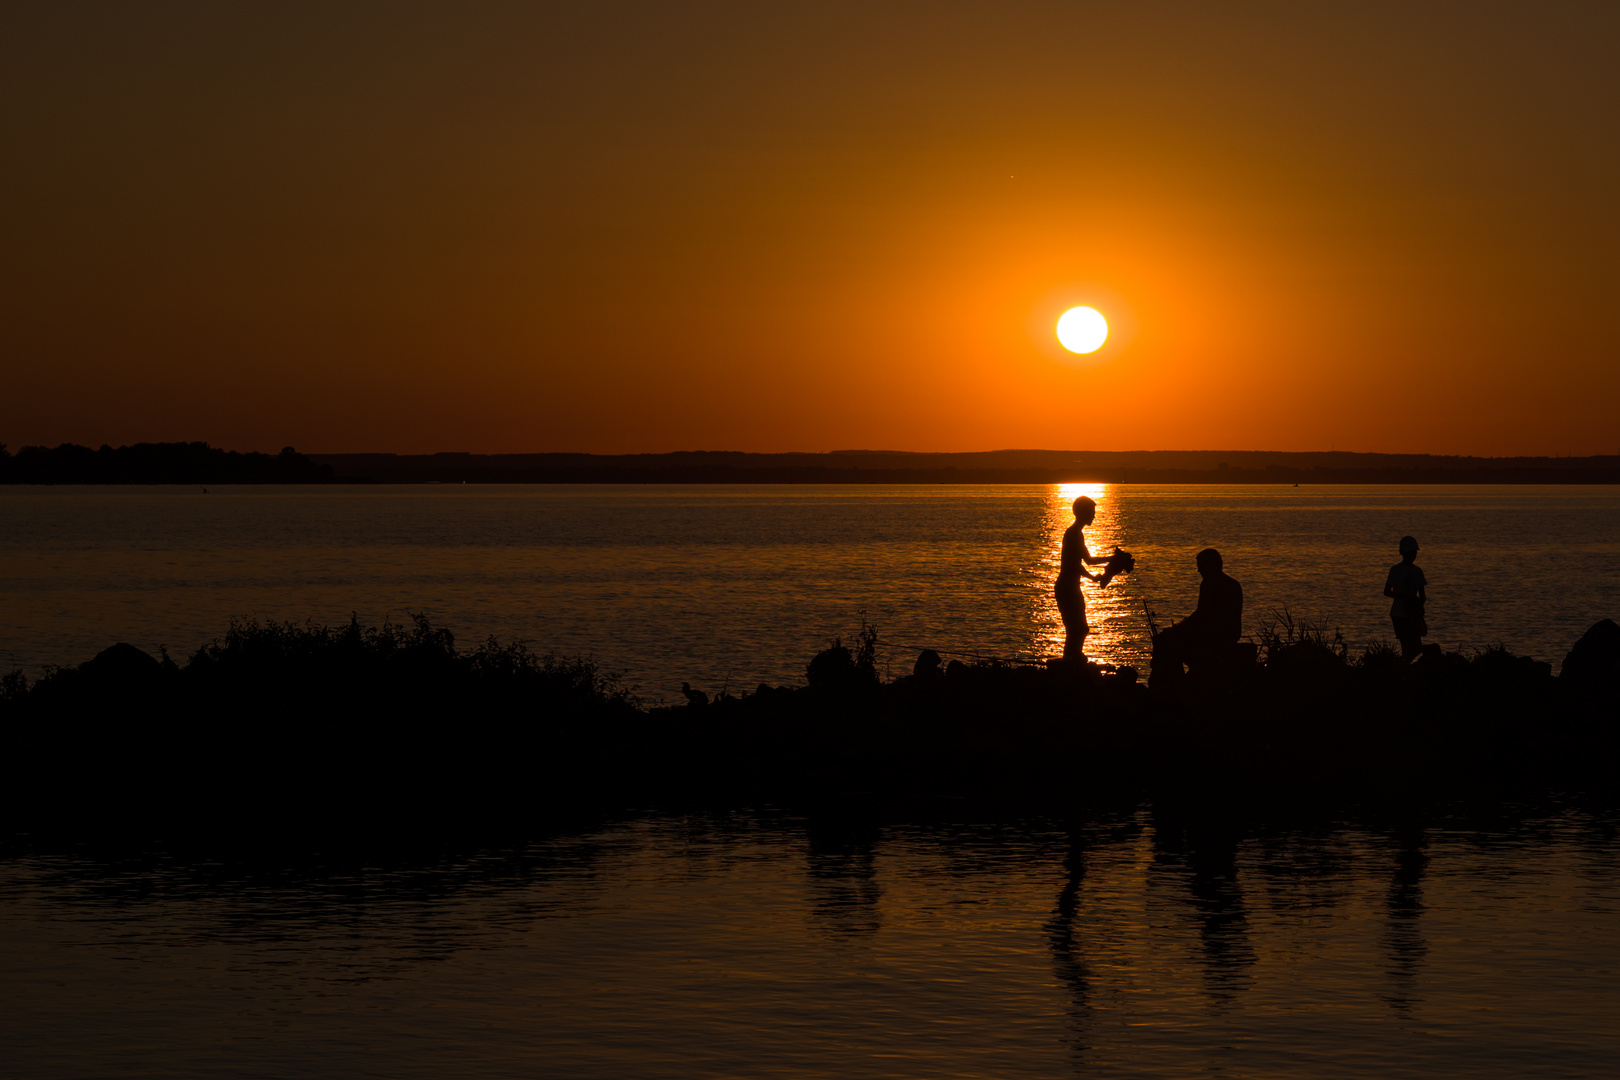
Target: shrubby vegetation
(396, 730)
(283, 725)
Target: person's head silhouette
(1209, 562)
(1409, 548)
(1085, 510)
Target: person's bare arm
(1075, 554)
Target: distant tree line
(411, 472)
(993, 467)
(156, 463)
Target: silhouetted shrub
(1381, 655)
(13, 686)
(837, 670)
(282, 722)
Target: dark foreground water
(738, 585)
(756, 945)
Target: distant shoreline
(950, 478)
(201, 464)
(954, 477)
(989, 467)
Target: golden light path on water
(741, 584)
(1109, 611)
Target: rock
(121, 663)
(121, 676)
(1593, 665)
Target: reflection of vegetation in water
(843, 883)
(359, 914)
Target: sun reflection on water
(1109, 612)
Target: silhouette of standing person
(1407, 585)
(1071, 568)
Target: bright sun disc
(1082, 330)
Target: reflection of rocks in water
(1206, 856)
(844, 892)
(1403, 931)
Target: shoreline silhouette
(980, 467)
(199, 463)
(157, 463)
(279, 728)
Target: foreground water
(737, 585)
(758, 945)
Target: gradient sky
(613, 227)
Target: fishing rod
(961, 652)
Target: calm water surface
(758, 946)
(737, 585)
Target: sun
(1082, 330)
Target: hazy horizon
(872, 451)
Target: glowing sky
(637, 227)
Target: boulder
(121, 663)
(1593, 665)
(927, 665)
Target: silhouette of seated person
(1206, 637)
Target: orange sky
(626, 226)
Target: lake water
(758, 945)
(1125, 943)
(731, 586)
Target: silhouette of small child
(1407, 585)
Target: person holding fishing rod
(1071, 603)
(1210, 631)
